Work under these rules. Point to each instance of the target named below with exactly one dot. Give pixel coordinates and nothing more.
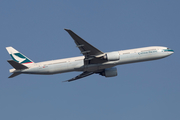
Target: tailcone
(12, 70)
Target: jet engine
(112, 56)
(109, 72)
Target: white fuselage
(77, 63)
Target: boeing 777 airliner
(92, 61)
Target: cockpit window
(168, 50)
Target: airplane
(93, 60)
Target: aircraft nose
(171, 52)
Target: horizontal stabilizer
(17, 65)
(13, 75)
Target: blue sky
(147, 90)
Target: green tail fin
(17, 56)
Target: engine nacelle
(109, 72)
(112, 56)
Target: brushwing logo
(18, 57)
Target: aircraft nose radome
(171, 52)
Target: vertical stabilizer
(18, 57)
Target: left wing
(84, 74)
(89, 51)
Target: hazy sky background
(141, 91)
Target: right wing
(84, 74)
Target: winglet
(66, 29)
